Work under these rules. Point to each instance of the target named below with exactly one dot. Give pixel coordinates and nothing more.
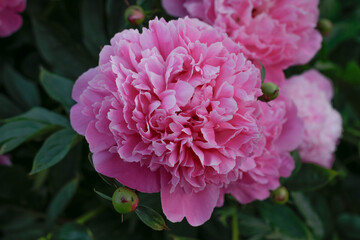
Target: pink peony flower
(174, 110)
(283, 131)
(279, 33)
(5, 160)
(10, 20)
(312, 94)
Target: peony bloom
(5, 160)
(174, 110)
(279, 33)
(312, 94)
(282, 131)
(10, 20)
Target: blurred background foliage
(48, 192)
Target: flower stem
(235, 227)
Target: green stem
(89, 215)
(235, 226)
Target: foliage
(48, 193)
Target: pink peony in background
(279, 33)
(312, 94)
(5, 160)
(174, 110)
(10, 19)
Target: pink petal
(129, 174)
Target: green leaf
(151, 218)
(296, 156)
(22, 91)
(307, 211)
(115, 10)
(14, 134)
(310, 177)
(73, 231)
(41, 115)
(341, 32)
(349, 225)
(329, 9)
(61, 200)
(60, 50)
(263, 73)
(93, 25)
(103, 195)
(284, 222)
(7, 107)
(54, 149)
(250, 225)
(14, 184)
(352, 73)
(58, 88)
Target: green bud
(325, 26)
(280, 195)
(134, 15)
(125, 200)
(270, 92)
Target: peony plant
(207, 119)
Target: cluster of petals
(174, 110)
(10, 19)
(279, 33)
(312, 94)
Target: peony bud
(325, 26)
(125, 200)
(135, 15)
(270, 92)
(280, 195)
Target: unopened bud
(270, 92)
(125, 200)
(325, 26)
(135, 15)
(280, 195)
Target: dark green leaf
(284, 221)
(7, 107)
(73, 231)
(329, 9)
(14, 183)
(310, 177)
(349, 224)
(14, 134)
(296, 156)
(41, 115)
(93, 25)
(313, 220)
(352, 73)
(250, 225)
(54, 149)
(151, 218)
(61, 200)
(60, 50)
(342, 31)
(263, 73)
(58, 88)
(22, 91)
(103, 195)
(115, 10)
